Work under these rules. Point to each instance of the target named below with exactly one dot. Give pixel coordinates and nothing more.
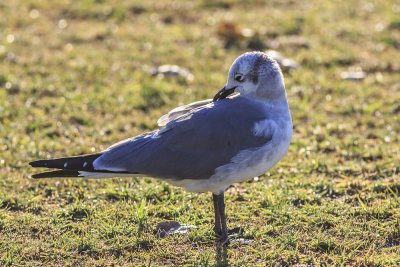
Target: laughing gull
(207, 145)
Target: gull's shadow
(221, 254)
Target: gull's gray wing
(182, 110)
(193, 145)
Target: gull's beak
(223, 93)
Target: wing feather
(192, 145)
(179, 111)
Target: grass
(75, 76)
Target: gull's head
(256, 75)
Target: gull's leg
(221, 208)
(217, 225)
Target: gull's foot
(225, 238)
(218, 231)
(237, 230)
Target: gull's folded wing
(193, 145)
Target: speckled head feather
(261, 76)
(255, 64)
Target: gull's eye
(239, 77)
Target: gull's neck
(276, 108)
(274, 103)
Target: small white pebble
(84, 164)
(34, 13)
(62, 24)
(10, 38)
(65, 165)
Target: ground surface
(75, 77)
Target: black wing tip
(36, 176)
(56, 174)
(81, 163)
(38, 163)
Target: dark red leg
(221, 210)
(217, 225)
